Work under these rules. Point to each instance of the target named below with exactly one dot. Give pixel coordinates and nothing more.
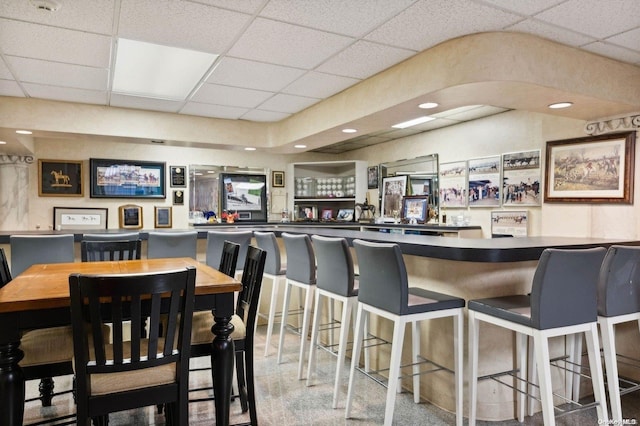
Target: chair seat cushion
(421, 300)
(202, 323)
(516, 308)
(47, 346)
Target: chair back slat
(229, 258)
(5, 274)
(100, 251)
(247, 306)
(122, 236)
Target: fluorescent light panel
(155, 71)
(413, 122)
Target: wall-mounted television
(245, 194)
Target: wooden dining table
(39, 298)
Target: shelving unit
(321, 186)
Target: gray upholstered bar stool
(274, 270)
(618, 302)
(301, 273)
(384, 291)
(335, 282)
(215, 245)
(562, 302)
(172, 244)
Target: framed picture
(521, 173)
(127, 179)
(58, 178)
(595, 169)
(163, 216)
(245, 194)
(345, 215)
(178, 176)
(130, 216)
(453, 184)
(509, 223)
(80, 218)
(277, 179)
(178, 198)
(415, 208)
(393, 190)
(327, 214)
(372, 177)
(307, 212)
(484, 181)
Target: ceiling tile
(353, 17)
(208, 110)
(230, 96)
(290, 45)
(66, 94)
(180, 24)
(258, 115)
(10, 88)
(525, 7)
(429, 22)
(542, 29)
(4, 71)
(247, 6)
(94, 16)
(55, 44)
(319, 85)
(629, 39)
(124, 101)
(287, 103)
(253, 75)
(364, 59)
(57, 74)
(619, 53)
(595, 17)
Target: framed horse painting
(58, 178)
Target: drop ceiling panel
(542, 29)
(10, 88)
(629, 39)
(253, 75)
(66, 94)
(290, 45)
(57, 74)
(259, 115)
(4, 71)
(247, 6)
(619, 53)
(209, 110)
(525, 7)
(230, 96)
(287, 103)
(125, 101)
(319, 85)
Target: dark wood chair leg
(242, 381)
(46, 391)
(251, 390)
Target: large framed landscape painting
(595, 169)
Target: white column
(14, 193)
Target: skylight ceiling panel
(253, 75)
(353, 17)
(57, 74)
(124, 101)
(54, 44)
(180, 24)
(364, 59)
(66, 94)
(430, 22)
(319, 85)
(209, 110)
(230, 96)
(285, 44)
(287, 103)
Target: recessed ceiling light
(413, 122)
(155, 71)
(428, 105)
(3, 143)
(300, 146)
(249, 148)
(560, 105)
(349, 130)
(24, 132)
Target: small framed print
(178, 198)
(163, 217)
(277, 179)
(60, 178)
(327, 214)
(130, 216)
(178, 178)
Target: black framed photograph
(60, 178)
(127, 179)
(277, 179)
(130, 216)
(415, 208)
(178, 198)
(372, 177)
(178, 176)
(163, 217)
(595, 169)
(65, 218)
(245, 194)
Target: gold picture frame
(277, 179)
(60, 178)
(130, 216)
(163, 217)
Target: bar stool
(274, 270)
(172, 244)
(335, 282)
(215, 244)
(562, 302)
(384, 291)
(618, 302)
(301, 273)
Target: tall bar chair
(172, 244)
(335, 282)
(384, 291)
(275, 270)
(301, 273)
(215, 244)
(562, 302)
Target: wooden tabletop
(46, 286)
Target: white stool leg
(415, 358)
(532, 376)
(541, 349)
(308, 302)
(367, 350)
(593, 350)
(272, 312)
(394, 369)
(283, 324)
(607, 331)
(347, 308)
(474, 326)
(311, 368)
(575, 362)
(458, 357)
(521, 355)
(355, 358)
(332, 313)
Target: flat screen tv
(246, 195)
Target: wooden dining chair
(127, 374)
(99, 251)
